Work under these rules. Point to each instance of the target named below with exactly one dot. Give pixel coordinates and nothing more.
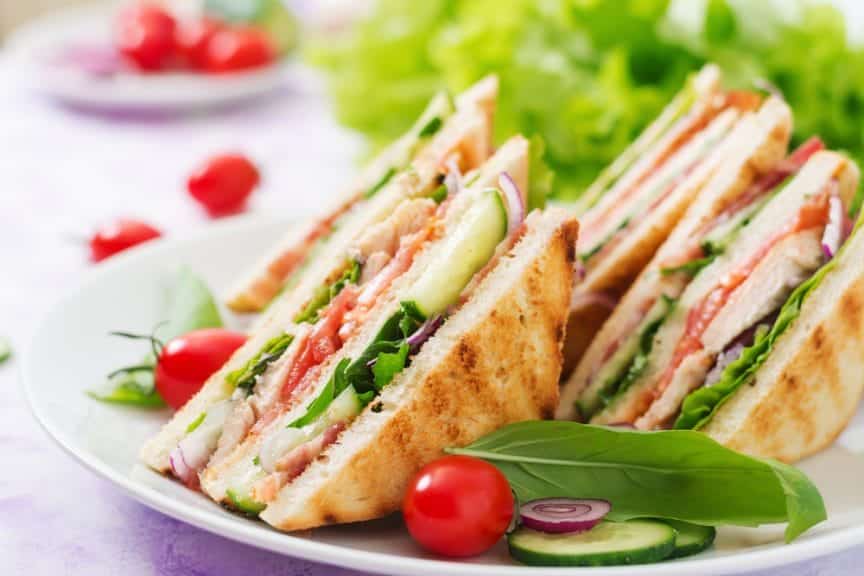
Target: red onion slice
(560, 515)
(833, 234)
(514, 200)
(424, 332)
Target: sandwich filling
(394, 161)
(297, 432)
(626, 358)
(319, 330)
(607, 223)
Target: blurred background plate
(127, 292)
(41, 51)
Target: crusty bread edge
(495, 361)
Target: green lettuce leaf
(325, 294)
(674, 474)
(701, 405)
(247, 375)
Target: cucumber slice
(344, 407)
(464, 252)
(691, 538)
(243, 503)
(607, 544)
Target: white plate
(126, 293)
(35, 48)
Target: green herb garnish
(196, 423)
(325, 294)
(246, 376)
(676, 474)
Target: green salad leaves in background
(190, 307)
(587, 76)
(675, 474)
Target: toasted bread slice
(622, 262)
(466, 137)
(638, 400)
(476, 106)
(221, 475)
(495, 361)
(760, 143)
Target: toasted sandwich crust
(501, 366)
(809, 388)
(760, 143)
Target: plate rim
(757, 558)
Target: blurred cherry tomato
(118, 236)
(223, 183)
(458, 506)
(187, 361)
(193, 41)
(233, 49)
(145, 36)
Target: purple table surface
(62, 173)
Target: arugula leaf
(5, 350)
(325, 294)
(389, 349)
(247, 375)
(631, 371)
(431, 127)
(388, 364)
(691, 268)
(675, 474)
(335, 385)
(701, 405)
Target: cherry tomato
(145, 36)
(233, 49)
(118, 236)
(193, 41)
(458, 506)
(187, 361)
(223, 183)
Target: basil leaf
(675, 474)
(192, 306)
(247, 375)
(701, 405)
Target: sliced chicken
(790, 263)
(236, 427)
(409, 217)
(689, 376)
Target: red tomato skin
(235, 49)
(118, 236)
(193, 41)
(223, 184)
(187, 361)
(458, 506)
(144, 35)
